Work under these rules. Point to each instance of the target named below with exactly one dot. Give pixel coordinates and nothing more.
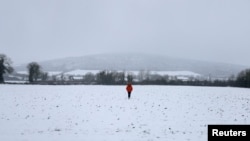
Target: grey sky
(213, 30)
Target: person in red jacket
(129, 89)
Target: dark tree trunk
(1, 78)
(2, 70)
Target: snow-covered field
(103, 113)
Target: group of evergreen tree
(116, 78)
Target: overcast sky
(213, 30)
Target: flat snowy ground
(103, 113)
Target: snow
(103, 113)
(177, 73)
(50, 73)
(19, 81)
(23, 72)
(81, 72)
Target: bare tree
(89, 78)
(44, 76)
(130, 78)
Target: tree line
(37, 76)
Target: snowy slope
(103, 113)
(138, 61)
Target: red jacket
(129, 88)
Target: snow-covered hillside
(103, 113)
(138, 61)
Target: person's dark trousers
(129, 94)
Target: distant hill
(137, 61)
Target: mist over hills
(137, 61)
